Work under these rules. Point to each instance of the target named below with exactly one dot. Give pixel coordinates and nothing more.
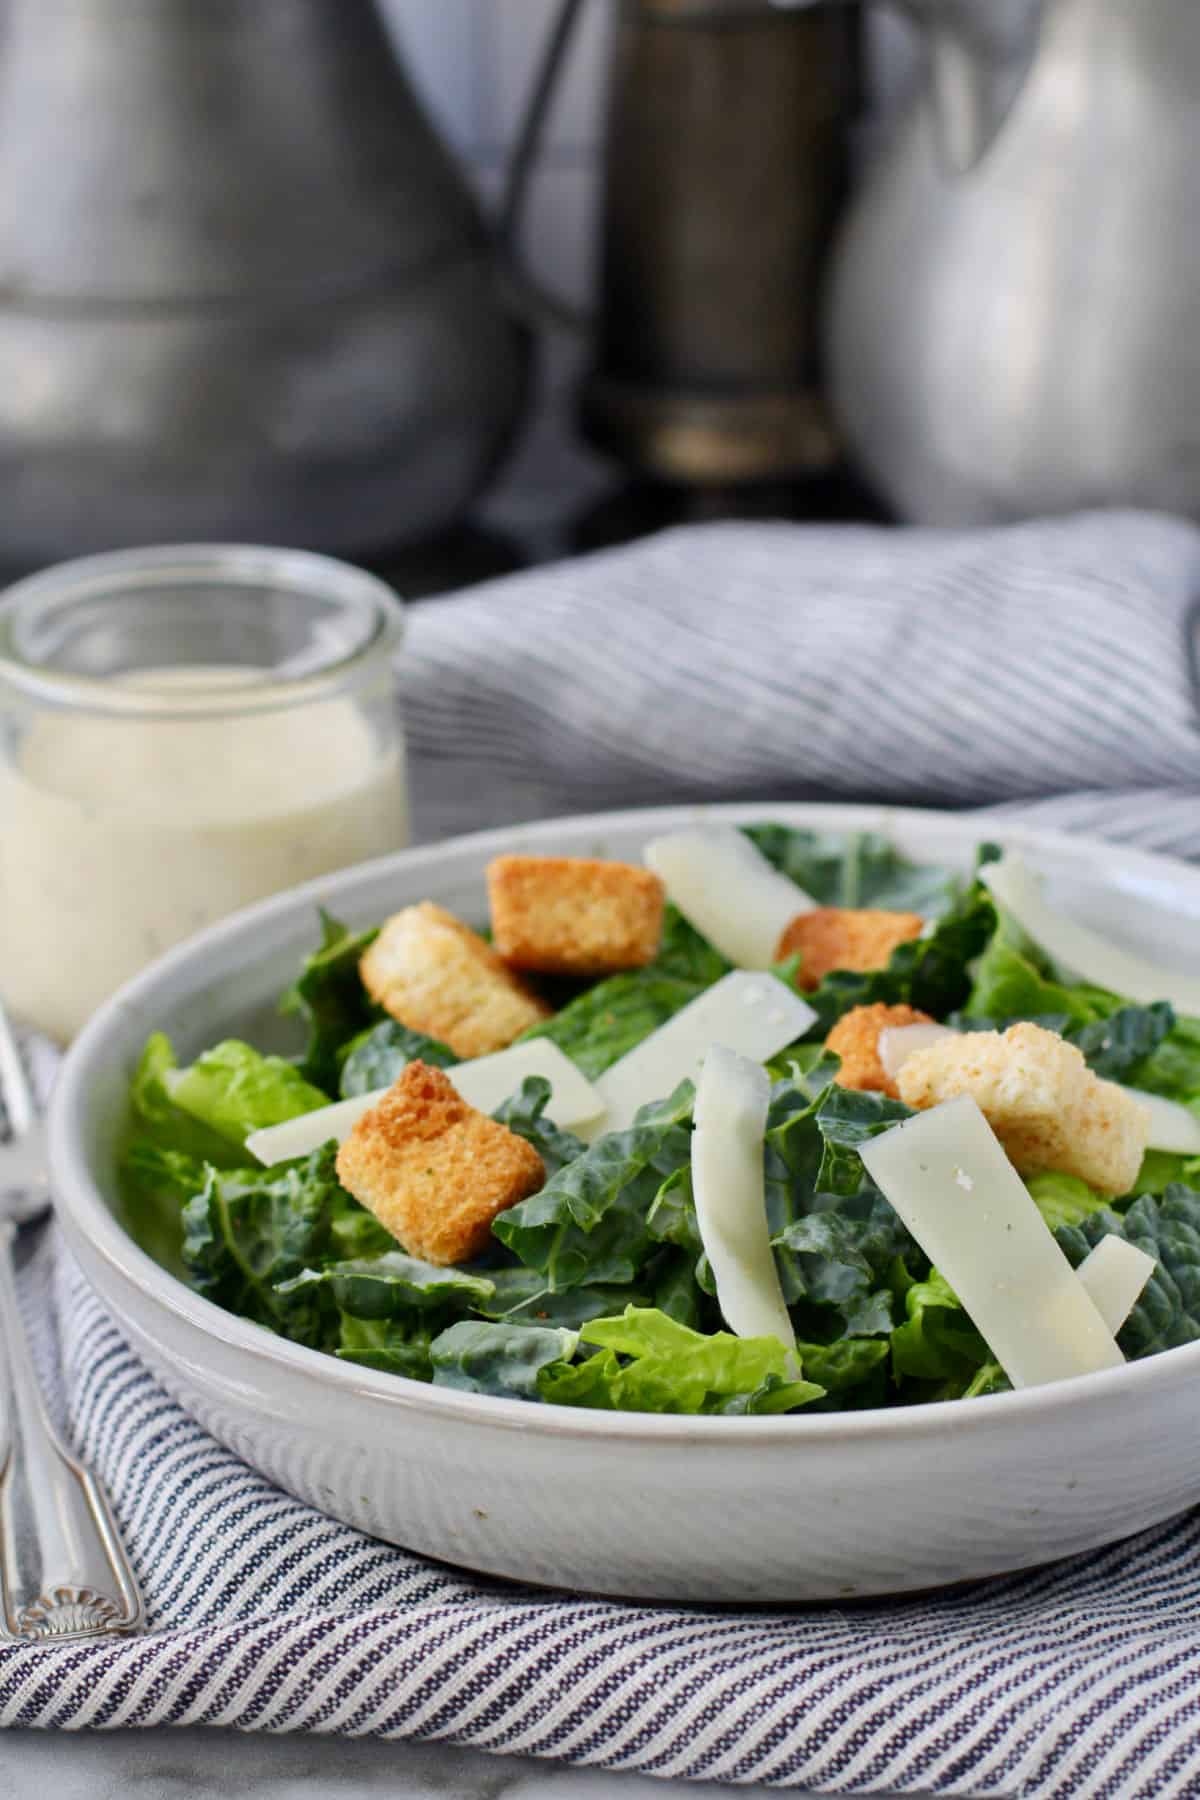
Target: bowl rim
(87, 1220)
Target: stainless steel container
(725, 170)
(1016, 304)
(243, 290)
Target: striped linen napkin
(999, 668)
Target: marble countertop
(216, 1765)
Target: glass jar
(185, 729)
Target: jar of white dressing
(185, 729)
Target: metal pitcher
(1015, 308)
(725, 166)
(243, 290)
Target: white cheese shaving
(991, 1244)
(1078, 950)
(484, 1082)
(1114, 1274)
(298, 1137)
(898, 1042)
(1172, 1127)
(728, 890)
(732, 1097)
(756, 1015)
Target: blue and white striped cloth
(992, 668)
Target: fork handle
(63, 1570)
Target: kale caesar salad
(774, 1121)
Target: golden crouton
(436, 975)
(855, 1038)
(1049, 1110)
(841, 937)
(574, 915)
(433, 1170)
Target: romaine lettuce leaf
(990, 1379)
(1064, 1199)
(1140, 1046)
(606, 1021)
(158, 1120)
(937, 1341)
(155, 1185)
(235, 1090)
(376, 1056)
(329, 996)
(774, 1394)
(1013, 980)
(1160, 1168)
(588, 1223)
(652, 1363)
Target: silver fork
(64, 1572)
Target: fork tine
(15, 1091)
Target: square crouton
(855, 1038)
(574, 915)
(1049, 1110)
(433, 1170)
(842, 937)
(433, 973)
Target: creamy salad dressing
(120, 835)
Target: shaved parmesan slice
(756, 1015)
(898, 1042)
(1172, 1127)
(732, 1097)
(1114, 1274)
(484, 1082)
(728, 890)
(947, 1176)
(1080, 951)
(487, 1081)
(297, 1137)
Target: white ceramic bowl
(767, 1509)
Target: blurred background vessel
(274, 272)
(1014, 316)
(244, 290)
(725, 167)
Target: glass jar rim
(304, 572)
